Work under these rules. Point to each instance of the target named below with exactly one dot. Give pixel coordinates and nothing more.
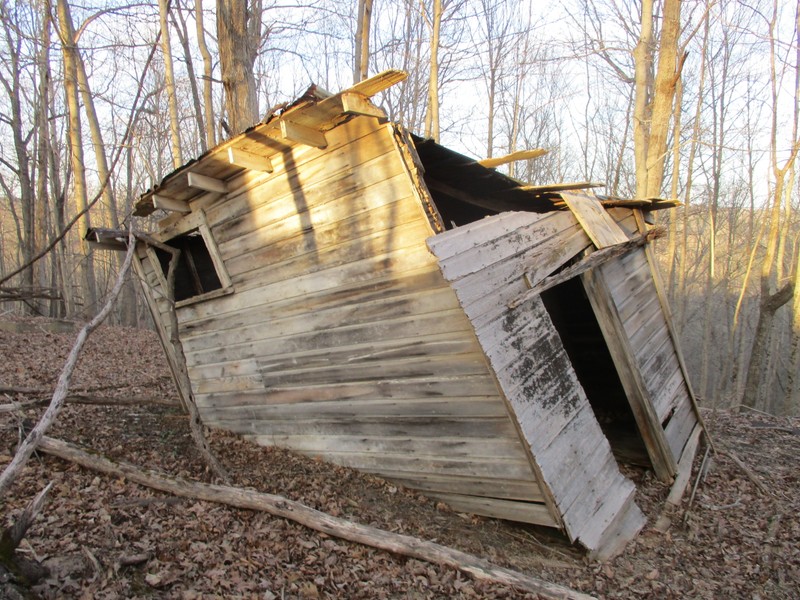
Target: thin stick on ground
(31, 441)
(280, 506)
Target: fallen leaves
(103, 537)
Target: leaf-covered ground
(103, 537)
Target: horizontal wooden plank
(426, 387)
(216, 377)
(426, 366)
(493, 487)
(531, 232)
(348, 255)
(460, 447)
(524, 512)
(298, 341)
(261, 200)
(435, 463)
(377, 267)
(474, 406)
(485, 295)
(376, 426)
(380, 289)
(319, 229)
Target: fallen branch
(12, 536)
(28, 446)
(313, 519)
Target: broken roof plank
(378, 83)
(598, 224)
(561, 187)
(513, 157)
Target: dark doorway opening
(572, 315)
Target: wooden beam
(599, 226)
(593, 260)
(302, 134)
(171, 204)
(513, 157)
(358, 104)
(561, 187)
(209, 184)
(249, 160)
(378, 83)
(649, 425)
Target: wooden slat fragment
(358, 104)
(378, 83)
(684, 467)
(302, 134)
(599, 225)
(513, 157)
(595, 259)
(561, 187)
(170, 204)
(249, 160)
(204, 182)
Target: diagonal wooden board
(598, 224)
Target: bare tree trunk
(22, 172)
(432, 115)
(643, 83)
(792, 402)
(669, 67)
(183, 37)
(208, 98)
(238, 35)
(169, 74)
(364, 19)
(771, 301)
(67, 33)
(654, 99)
(672, 241)
(43, 154)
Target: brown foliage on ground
(106, 538)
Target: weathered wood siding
(342, 339)
(631, 283)
(486, 263)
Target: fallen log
(280, 506)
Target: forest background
(696, 100)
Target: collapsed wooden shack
(351, 291)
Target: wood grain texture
(571, 454)
(342, 338)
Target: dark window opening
(195, 274)
(572, 315)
